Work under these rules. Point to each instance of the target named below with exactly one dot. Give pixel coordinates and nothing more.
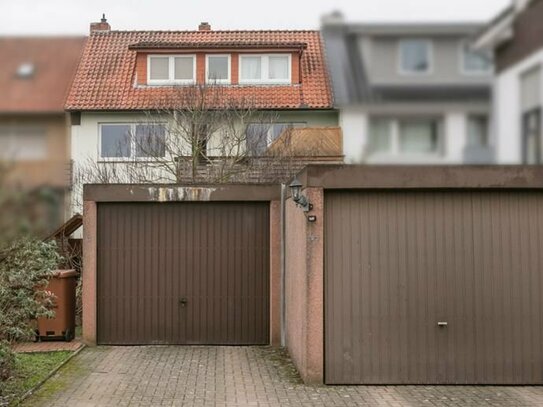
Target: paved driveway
(236, 376)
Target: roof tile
(105, 78)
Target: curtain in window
(184, 68)
(278, 67)
(250, 68)
(217, 68)
(159, 68)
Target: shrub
(25, 269)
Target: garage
(183, 273)
(417, 275)
(433, 287)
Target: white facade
(355, 122)
(508, 108)
(85, 146)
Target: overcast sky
(74, 16)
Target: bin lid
(64, 273)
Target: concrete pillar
(89, 272)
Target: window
(218, 69)
(262, 135)
(380, 137)
(121, 141)
(171, 69)
(25, 143)
(419, 136)
(477, 131)
(409, 136)
(270, 69)
(415, 56)
(474, 62)
(532, 133)
(531, 102)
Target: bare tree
(209, 135)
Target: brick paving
(47, 346)
(236, 376)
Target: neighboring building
(35, 75)
(126, 75)
(410, 93)
(516, 37)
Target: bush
(25, 269)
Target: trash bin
(62, 325)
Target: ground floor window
(23, 143)
(409, 135)
(477, 134)
(531, 133)
(129, 140)
(261, 135)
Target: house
(153, 88)
(410, 93)
(516, 38)
(35, 77)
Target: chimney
(103, 25)
(334, 18)
(204, 26)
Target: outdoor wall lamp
(300, 200)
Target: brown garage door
(183, 273)
(399, 263)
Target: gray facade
(367, 65)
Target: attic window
(265, 69)
(171, 69)
(25, 70)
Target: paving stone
(236, 376)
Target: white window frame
(430, 69)
(227, 81)
(395, 151)
(264, 70)
(462, 60)
(132, 156)
(171, 70)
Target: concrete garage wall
(304, 287)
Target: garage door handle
(183, 302)
(442, 324)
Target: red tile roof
(54, 62)
(105, 79)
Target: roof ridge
(202, 32)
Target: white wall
(355, 123)
(507, 109)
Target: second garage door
(434, 287)
(183, 273)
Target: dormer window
(218, 69)
(265, 69)
(171, 69)
(415, 56)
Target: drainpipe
(283, 266)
